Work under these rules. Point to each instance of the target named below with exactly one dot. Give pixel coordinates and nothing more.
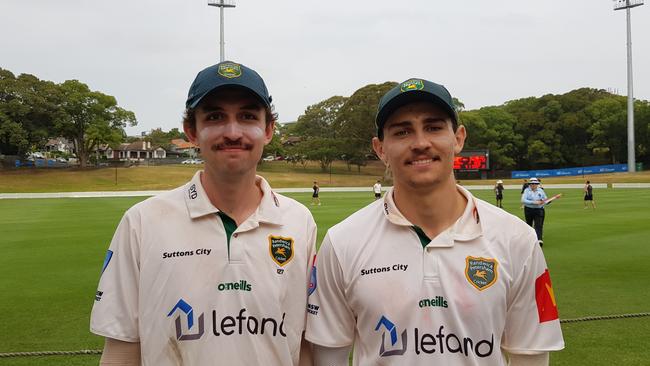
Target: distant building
(139, 150)
(290, 140)
(180, 146)
(59, 144)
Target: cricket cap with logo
(413, 90)
(227, 73)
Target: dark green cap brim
(396, 98)
(213, 78)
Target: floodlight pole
(627, 5)
(221, 4)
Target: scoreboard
(472, 161)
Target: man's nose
(419, 141)
(232, 129)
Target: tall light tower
(627, 5)
(221, 4)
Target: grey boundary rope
(604, 317)
(52, 353)
(99, 352)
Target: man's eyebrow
(435, 120)
(211, 108)
(399, 124)
(252, 106)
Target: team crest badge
(481, 272)
(230, 70)
(281, 249)
(412, 84)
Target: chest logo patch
(481, 272)
(281, 249)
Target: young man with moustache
(429, 274)
(215, 271)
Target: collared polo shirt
(171, 281)
(529, 197)
(478, 288)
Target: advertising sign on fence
(588, 170)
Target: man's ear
(461, 135)
(190, 132)
(378, 146)
(268, 132)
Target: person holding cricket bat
(534, 199)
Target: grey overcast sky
(146, 53)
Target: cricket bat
(549, 200)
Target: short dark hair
(454, 124)
(189, 116)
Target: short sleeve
(330, 321)
(115, 311)
(532, 319)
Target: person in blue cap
(217, 270)
(430, 274)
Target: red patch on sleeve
(546, 305)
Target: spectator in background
(377, 189)
(589, 195)
(498, 191)
(315, 200)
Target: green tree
(318, 119)
(274, 147)
(355, 123)
(609, 126)
(13, 138)
(90, 118)
(29, 106)
(322, 149)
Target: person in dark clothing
(589, 195)
(498, 191)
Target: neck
(236, 196)
(433, 210)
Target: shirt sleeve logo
(312, 278)
(281, 249)
(481, 272)
(107, 260)
(545, 297)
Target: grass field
(52, 252)
(279, 173)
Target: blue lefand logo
(391, 329)
(189, 314)
(107, 259)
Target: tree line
(582, 127)
(34, 110)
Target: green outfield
(52, 252)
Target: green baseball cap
(227, 73)
(413, 90)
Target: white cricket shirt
(171, 281)
(477, 288)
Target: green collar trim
(229, 225)
(424, 239)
